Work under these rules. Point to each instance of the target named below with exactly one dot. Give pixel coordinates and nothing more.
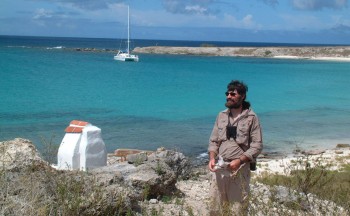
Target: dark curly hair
(242, 89)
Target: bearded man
(236, 140)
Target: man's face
(233, 100)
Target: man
(237, 140)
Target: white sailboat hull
(126, 57)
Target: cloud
(189, 6)
(341, 28)
(87, 4)
(42, 13)
(248, 21)
(319, 4)
(47, 17)
(196, 9)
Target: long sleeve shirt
(248, 140)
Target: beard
(232, 104)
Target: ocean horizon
(166, 101)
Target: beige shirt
(249, 136)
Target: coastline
(329, 53)
(322, 53)
(282, 165)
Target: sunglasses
(232, 94)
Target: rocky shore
(340, 53)
(162, 182)
(329, 53)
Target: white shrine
(82, 147)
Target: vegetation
(307, 188)
(308, 183)
(207, 45)
(268, 53)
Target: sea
(166, 101)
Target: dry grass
(38, 189)
(314, 188)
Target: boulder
(340, 145)
(155, 176)
(313, 152)
(138, 158)
(18, 153)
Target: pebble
(153, 201)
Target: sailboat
(125, 55)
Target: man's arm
(256, 143)
(211, 164)
(213, 146)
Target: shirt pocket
(243, 131)
(222, 130)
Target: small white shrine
(82, 147)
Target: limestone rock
(175, 160)
(313, 152)
(18, 153)
(343, 145)
(138, 158)
(156, 176)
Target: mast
(128, 31)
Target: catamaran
(125, 55)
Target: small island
(337, 53)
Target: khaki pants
(229, 191)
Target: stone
(153, 201)
(123, 153)
(18, 153)
(138, 158)
(313, 152)
(343, 145)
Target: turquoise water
(169, 100)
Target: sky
(276, 21)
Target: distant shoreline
(326, 53)
(329, 53)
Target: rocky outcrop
(19, 153)
(117, 187)
(316, 52)
(155, 174)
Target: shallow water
(168, 100)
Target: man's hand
(235, 164)
(211, 165)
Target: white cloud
(86, 4)
(42, 13)
(196, 9)
(190, 6)
(248, 21)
